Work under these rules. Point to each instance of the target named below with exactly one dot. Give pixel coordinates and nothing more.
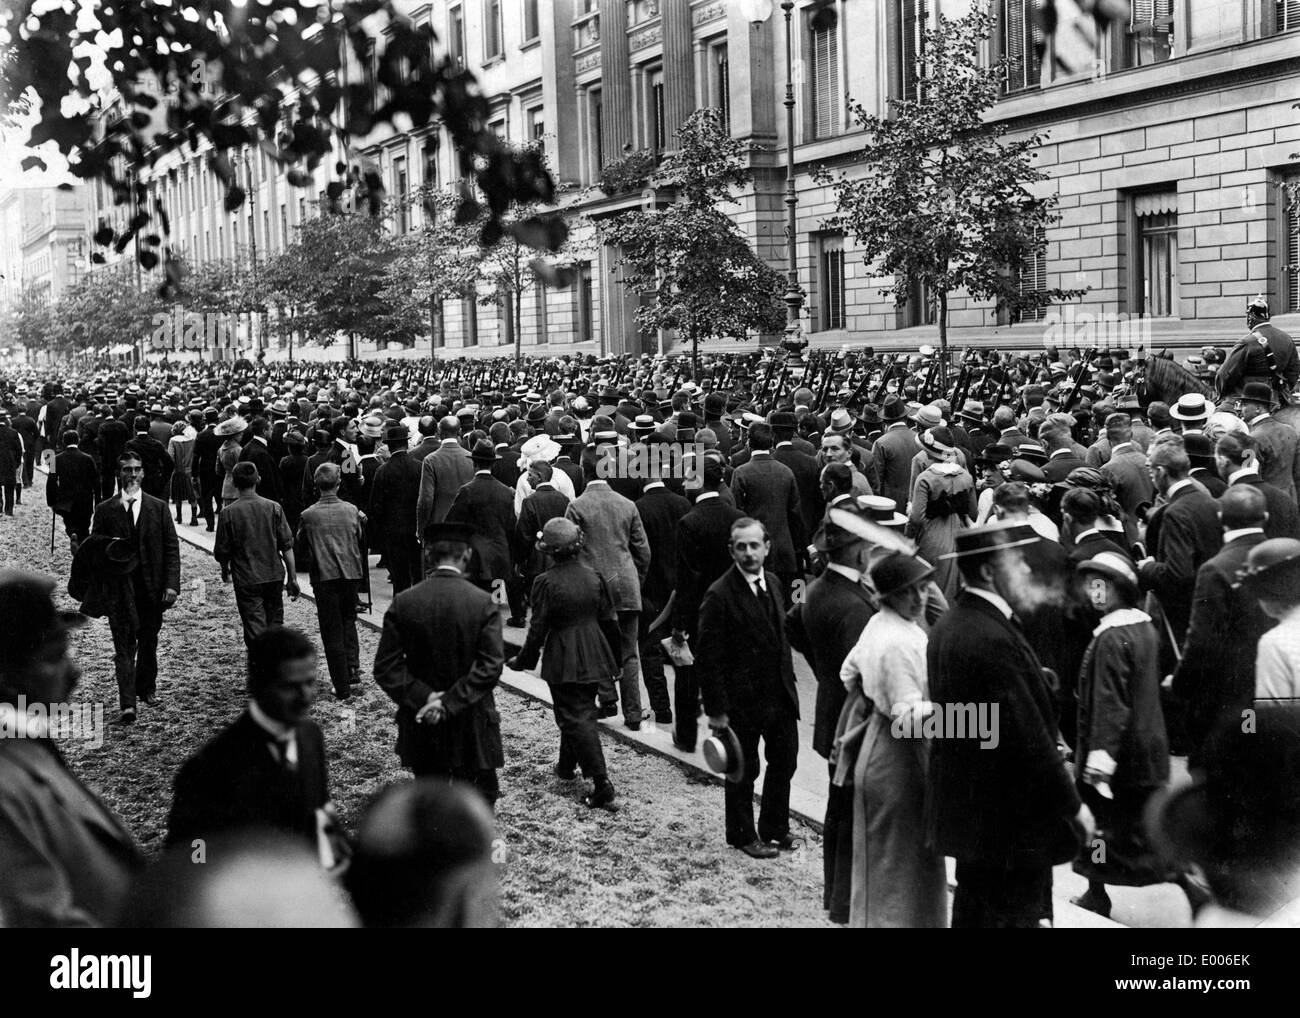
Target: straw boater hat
(992, 538)
(1191, 406)
(1272, 570)
(882, 510)
(1113, 566)
(230, 426)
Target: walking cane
(365, 566)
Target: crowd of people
(1023, 585)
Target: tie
(282, 754)
(130, 514)
(760, 591)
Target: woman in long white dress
(896, 881)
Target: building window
(586, 331)
(1290, 252)
(658, 124)
(722, 85)
(284, 225)
(907, 31)
(1157, 254)
(302, 210)
(824, 76)
(1019, 36)
(1031, 277)
(541, 296)
(439, 325)
(537, 126)
(492, 46)
(505, 318)
(266, 228)
(532, 27)
(1286, 15)
(456, 35)
(431, 146)
(1150, 35)
(598, 116)
(400, 194)
(830, 281)
(469, 312)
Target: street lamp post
(757, 12)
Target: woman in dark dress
(573, 621)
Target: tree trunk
(695, 355)
(519, 324)
(943, 340)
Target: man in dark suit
(1061, 458)
(804, 466)
(1002, 802)
(428, 443)
(1217, 671)
(1200, 454)
(747, 679)
(72, 489)
(23, 423)
(11, 462)
(439, 659)
(505, 467)
(206, 444)
(1278, 443)
(767, 490)
(824, 628)
(258, 453)
(488, 506)
(1235, 457)
(660, 510)
(135, 601)
(544, 504)
(113, 436)
(392, 512)
(1189, 536)
(158, 465)
(441, 475)
(267, 769)
(703, 555)
(65, 859)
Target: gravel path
(660, 861)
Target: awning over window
(1156, 204)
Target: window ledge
(532, 43)
(492, 61)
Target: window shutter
(1288, 15)
(913, 22)
(825, 76)
(1291, 247)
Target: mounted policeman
(1266, 355)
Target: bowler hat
(724, 754)
(1258, 392)
(1200, 450)
(893, 409)
(783, 419)
(396, 433)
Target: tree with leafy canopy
(33, 323)
(285, 75)
(331, 279)
(689, 258)
(938, 197)
(105, 308)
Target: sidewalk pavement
(1161, 906)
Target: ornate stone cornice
(587, 62)
(709, 12)
(646, 37)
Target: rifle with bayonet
(1078, 381)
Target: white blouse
(889, 661)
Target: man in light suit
(135, 601)
(439, 660)
(615, 546)
(65, 859)
(441, 475)
(894, 451)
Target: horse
(1166, 380)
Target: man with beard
(1005, 807)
